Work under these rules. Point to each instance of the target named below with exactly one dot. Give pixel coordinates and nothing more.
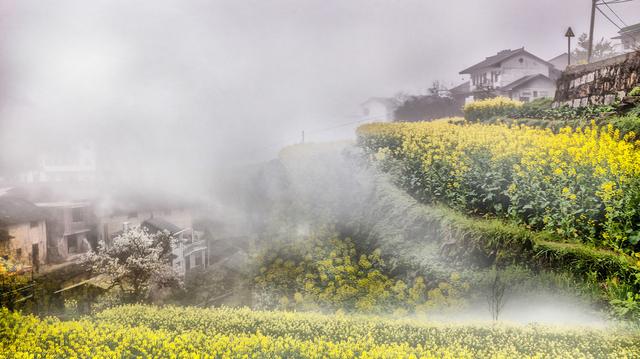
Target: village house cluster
(38, 236)
(517, 74)
(51, 215)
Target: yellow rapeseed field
(581, 184)
(174, 332)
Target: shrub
(420, 108)
(485, 109)
(635, 91)
(537, 108)
(626, 124)
(326, 272)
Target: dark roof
(159, 224)
(461, 89)
(499, 57)
(629, 30)
(524, 80)
(15, 210)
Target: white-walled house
(378, 109)
(190, 252)
(629, 37)
(516, 74)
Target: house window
(77, 214)
(72, 244)
(521, 60)
(33, 224)
(524, 99)
(198, 259)
(187, 263)
(535, 93)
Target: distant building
(23, 232)
(560, 62)
(157, 214)
(76, 163)
(191, 250)
(115, 214)
(629, 37)
(378, 109)
(516, 74)
(70, 229)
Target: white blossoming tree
(135, 262)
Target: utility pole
(593, 17)
(569, 34)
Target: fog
(188, 97)
(173, 92)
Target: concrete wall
(599, 83)
(25, 235)
(67, 237)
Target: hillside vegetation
(236, 333)
(567, 200)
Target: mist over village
(320, 179)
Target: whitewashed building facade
(516, 74)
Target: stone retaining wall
(598, 83)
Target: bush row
(539, 113)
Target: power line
(613, 22)
(608, 18)
(614, 13)
(613, 2)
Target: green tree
(602, 49)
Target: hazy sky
(192, 85)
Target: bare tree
(602, 49)
(495, 295)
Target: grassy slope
(419, 234)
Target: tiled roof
(499, 57)
(463, 88)
(522, 81)
(16, 210)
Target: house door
(35, 257)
